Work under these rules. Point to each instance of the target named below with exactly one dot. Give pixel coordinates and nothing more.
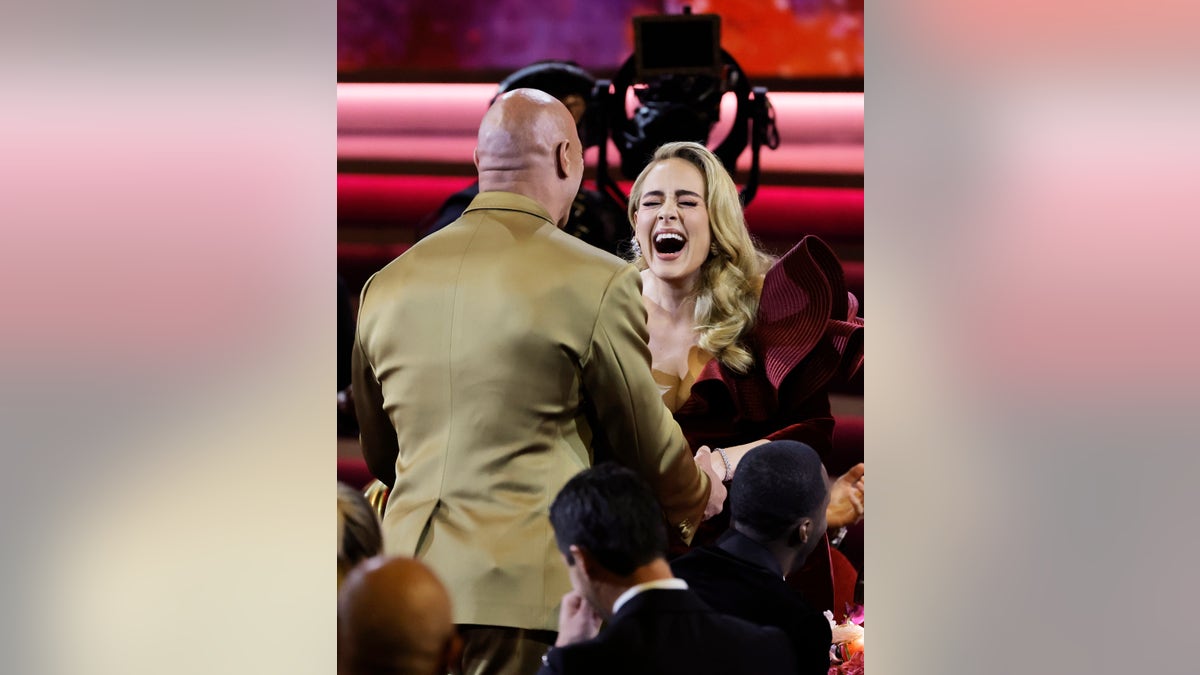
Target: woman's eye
(650, 204)
(687, 203)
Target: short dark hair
(611, 512)
(777, 484)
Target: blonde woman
(743, 346)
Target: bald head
(394, 617)
(528, 144)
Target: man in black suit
(610, 531)
(777, 510)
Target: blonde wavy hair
(359, 534)
(727, 292)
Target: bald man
(394, 619)
(492, 360)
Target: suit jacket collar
(747, 550)
(661, 599)
(673, 583)
(508, 201)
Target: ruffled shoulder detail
(805, 303)
(807, 330)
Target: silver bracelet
(841, 534)
(728, 466)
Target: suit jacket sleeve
(811, 638)
(630, 417)
(376, 434)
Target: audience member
(743, 346)
(394, 618)
(358, 536)
(777, 512)
(529, 356)
(609, 531)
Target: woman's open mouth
(668, 245)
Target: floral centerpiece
(847, 654)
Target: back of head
(565, 81)
(359, 535)
(777, 485)
(394, 617)
(528, 144)
(609, 511)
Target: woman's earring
(637, 248)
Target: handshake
(847, 499)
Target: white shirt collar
(673, 583)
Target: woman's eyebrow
(660, 193)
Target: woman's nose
(667, 212)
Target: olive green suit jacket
(491, 360)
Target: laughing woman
(743, 346)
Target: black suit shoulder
(667, 631)
(739, 588)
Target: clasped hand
(847, 498)
(717, 491)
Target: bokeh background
(417, 40)
(167, 196)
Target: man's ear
(584, 560)
(475, 158)
(562, 159)
(801, 533)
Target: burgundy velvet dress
(807, 335)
